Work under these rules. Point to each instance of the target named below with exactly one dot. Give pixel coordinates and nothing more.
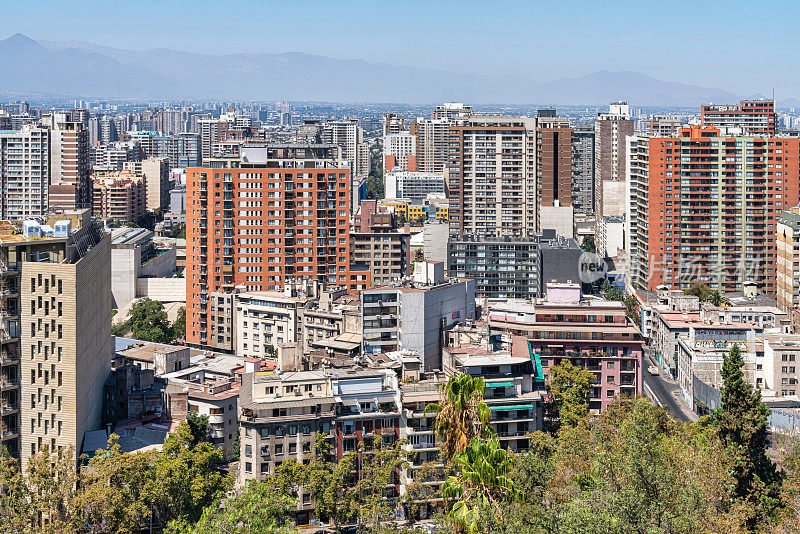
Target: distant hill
(80, 69)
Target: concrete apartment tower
(156, 174)
(492, 176)
(610, 164)
(554, 173)
(70, 181)
(65, 343)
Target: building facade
(752, 117)
(787, 265)
(279, 213)
(65, 330)
(703, 207)
(492, 176)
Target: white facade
(25, 172)
(263, 320)
(413, 185)
(400, 145)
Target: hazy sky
(741, 46)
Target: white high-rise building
(24, 172)
(399, 152)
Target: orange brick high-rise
(273, 215)
(703, 207)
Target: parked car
(653, 370)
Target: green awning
(499, 384)
(512, 407)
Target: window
(278, 448)
(248, 450)
(248, 467)
(293, 448)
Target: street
(666, 392)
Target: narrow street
(665, 392)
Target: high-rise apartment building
(275, 214)
(451, 111)
(753, 117)
(347, 135)
(583, 169)
(212, 131)
(119, 197)
(377, 244)
(432, 137)
(703, 207)
(393, 124)
(554, 173)
(399, 152)
(413, 185)
(25, 172)
(156, 174)
(107, 130)
(492, 176)
(787, 241)
(610, 131)
(662, 126)
(70, 184)
(62, 335)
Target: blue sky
(744, 47)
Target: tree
(186, 479)
(699, 290)
(200, 428)
(179, 326)
(716, 299)
(260, 507)
(611, 292)
(14, 504)
(379, 465)
(147, 321)
(568, 389)
(632, 309)
(51, 480)
(327, 480)
(482, 482)
(462, 414)
(588, 243)
(635, 469)
(741, 422)
(113, 489)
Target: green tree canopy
(568, 388)
(742, 424)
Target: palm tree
(462, 414)
(482, 482)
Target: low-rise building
(414, 315)
(590, 332)
(263, 319)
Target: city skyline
(658, 44)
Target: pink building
(595, 334)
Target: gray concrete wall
(162, 289)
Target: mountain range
(79, 69)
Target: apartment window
(278, 448)
(293, 448)
(248, 467)
(248, 450)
